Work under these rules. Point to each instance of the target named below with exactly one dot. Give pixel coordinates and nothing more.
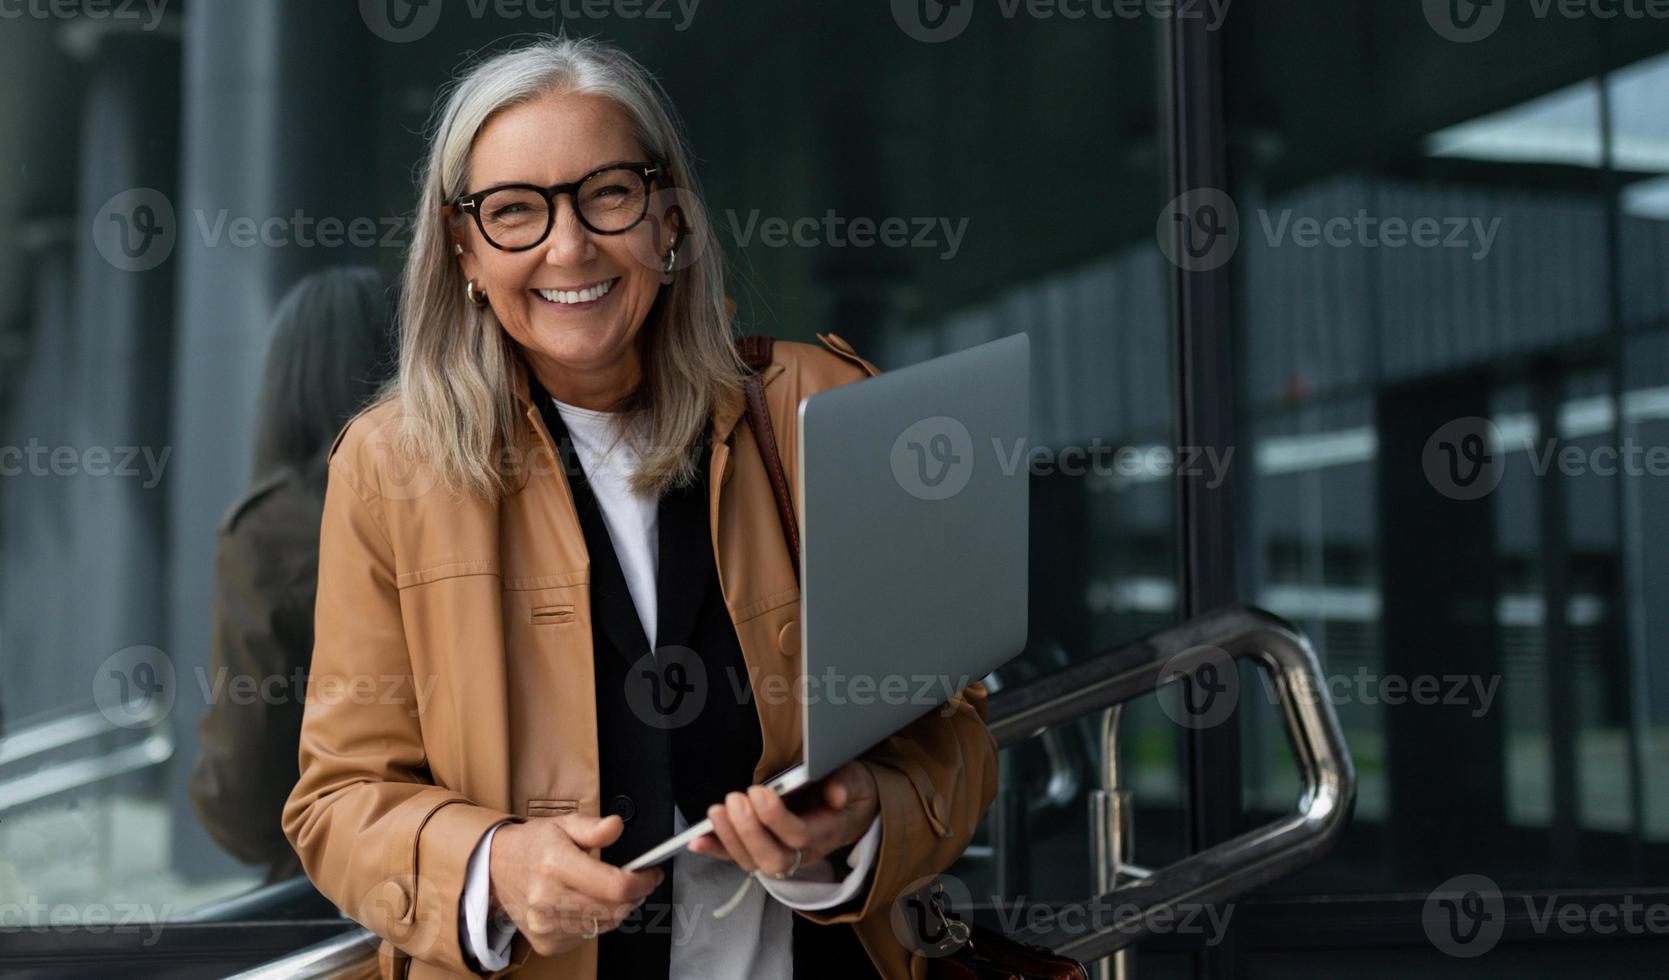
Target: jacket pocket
(552, 614)
(551, 808)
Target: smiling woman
(564, 300)
(590, 248)
(557, 170)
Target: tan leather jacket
(413, 743)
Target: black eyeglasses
(517, 217)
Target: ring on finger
(592, 932)
(792, 868)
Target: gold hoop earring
(478, 300)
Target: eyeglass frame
(648, 170)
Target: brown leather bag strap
(756, 354)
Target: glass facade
(1530, 316)
(1435, 241)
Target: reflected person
(330, 352)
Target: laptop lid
(913, 538)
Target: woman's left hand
(757, 832)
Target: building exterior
(1355, 312)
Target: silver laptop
(913, 549)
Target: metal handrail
(155, 748)
(1214, 875)
(291, 898)
(1241, 863)
(339, 955)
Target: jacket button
(788, 641)
(622, 807)
(396, 900)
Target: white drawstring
(735, 899)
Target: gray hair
(457, 409)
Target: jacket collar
(726, 413)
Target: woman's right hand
(558, 895)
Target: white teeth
(566, 296)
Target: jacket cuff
(488, 943)
(903, 832)
(443, 849)
(820, 890)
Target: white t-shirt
(755, 939)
